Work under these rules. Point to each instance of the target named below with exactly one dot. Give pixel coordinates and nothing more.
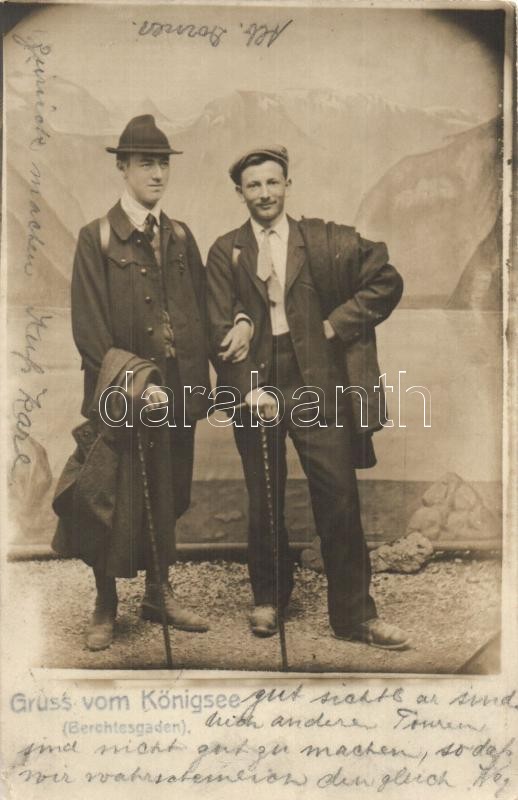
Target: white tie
(266, 270)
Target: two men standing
(139, 305)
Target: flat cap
(276, 152)
(141, 135)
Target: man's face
(146, 177)
(264, 189)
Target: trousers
(325, 454)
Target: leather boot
(263, 621)
(377, 633)
(99, 635)
(179, 617)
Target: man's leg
(261, 563)
(182, 618)
(100, 631)
(325, 456)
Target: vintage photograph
(255, 292)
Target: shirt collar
(281, 228)
(137, 212)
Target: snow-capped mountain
(403, 174)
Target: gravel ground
(450, 609)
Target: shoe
(99, 635)
(263, 621)
(378, 634)
(179, 617)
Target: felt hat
(141, 135)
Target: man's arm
(222, 303)
(91, 323)
(238, 338)
(378, 290)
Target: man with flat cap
(139, 322)
(314, 292)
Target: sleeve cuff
(244, 318)
(348, 332)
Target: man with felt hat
(314, 292)
(138, 309)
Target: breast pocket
(119, 261)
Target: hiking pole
(274, 533)
(154, 549)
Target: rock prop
(406, 555)
(452, 510)
(30, 494)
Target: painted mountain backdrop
(426, 181)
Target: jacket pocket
(121, 255)
(121, 262)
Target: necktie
(152, 232)
(266, 270)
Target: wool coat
(119, 294)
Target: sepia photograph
(259, 400)
(254, 299)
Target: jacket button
(262, 366)
(143, 271)
(153, 359)
(147, 299)
(139, 241)
(150, 331)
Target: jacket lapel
(246, 242)
(120, 222)
(296, 255)
(166, 233)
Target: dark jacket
(116, 302)
(117, 298)
(359, 294)
(358, 289)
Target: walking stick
(154, 549)
(274, 533)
